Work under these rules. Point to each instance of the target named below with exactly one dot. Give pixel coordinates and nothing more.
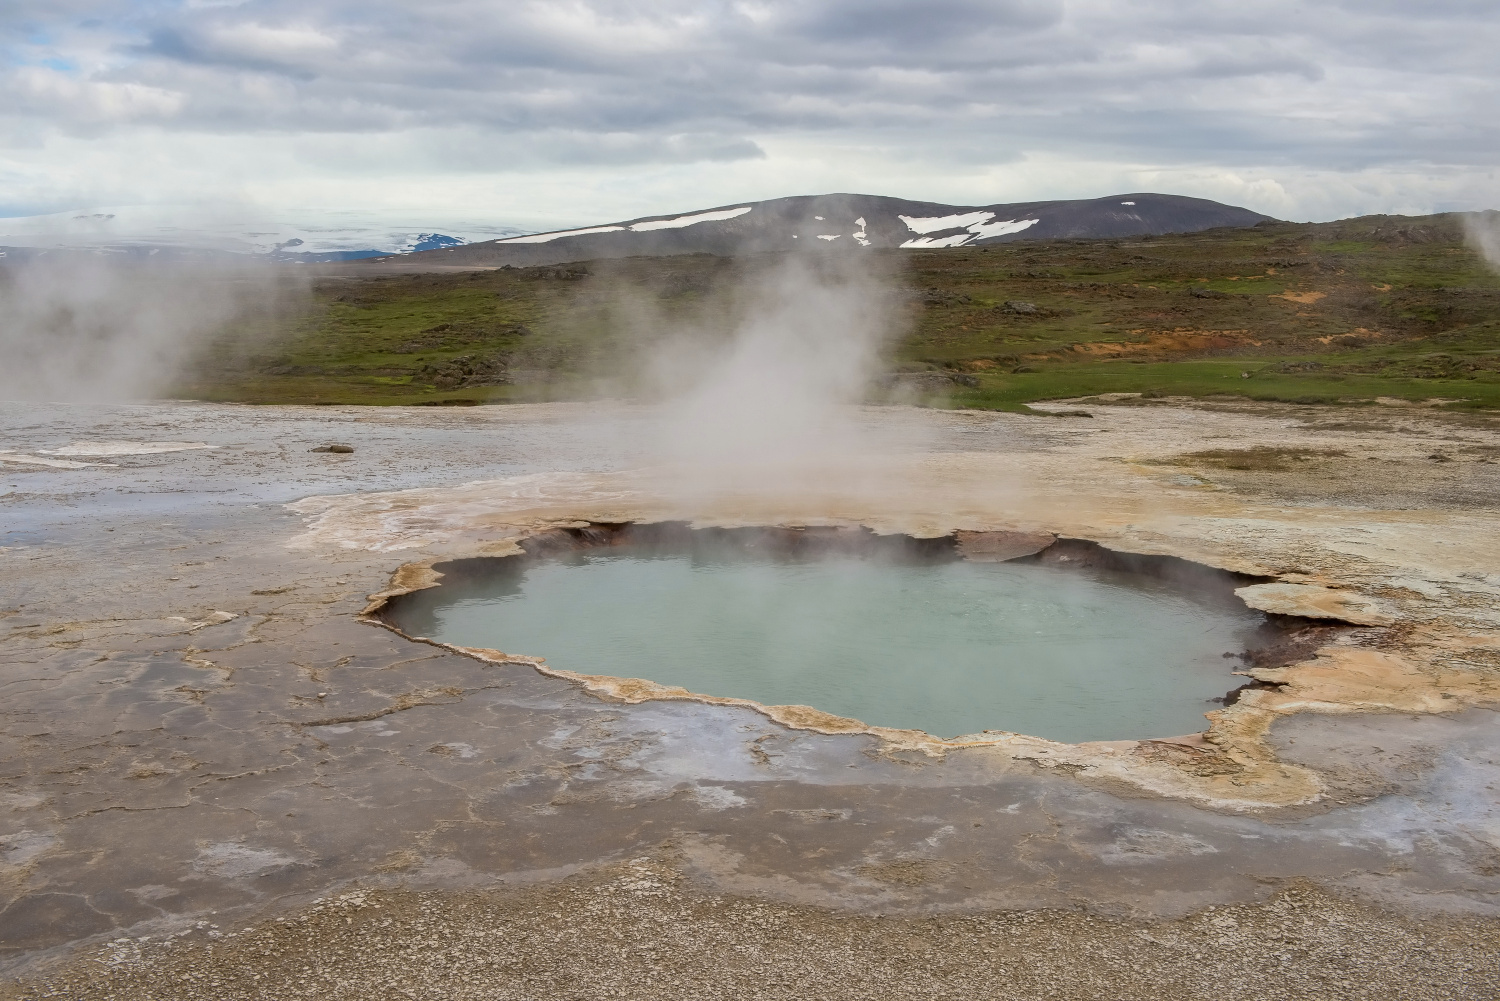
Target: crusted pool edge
(1231, 765)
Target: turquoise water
(948, 647)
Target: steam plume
(78, 326)
(1483, 231)
(776, 398)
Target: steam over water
(947, 647)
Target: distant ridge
(839, 221)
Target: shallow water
(949, 647)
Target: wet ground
(199, 732)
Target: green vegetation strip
(1334, 312)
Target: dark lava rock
(1016, 306)
(339, 447)
(941, 297)
(573, 274)
(926, 383)
(466, 370)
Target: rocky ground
(219, 783)
(633, 931)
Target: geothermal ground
(224, 779)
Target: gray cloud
(1339, 86)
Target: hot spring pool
(946, 646)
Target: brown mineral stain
(1312, 601)
(407, 578)
(1351, 679)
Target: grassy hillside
(1364, 308)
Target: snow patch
(977, 224)
(929, 242)
(859, 235)
(986, 230)
(549, 237)
(432, 241)
(825, 236)
(1127, 203)
(936, 224)
(689, 220)
(677, 222)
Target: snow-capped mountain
(830, 221)
(843, 220)
(293, 250)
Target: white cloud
(92, 102)
(261, 42)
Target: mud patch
(1260, 459)
(908, 872)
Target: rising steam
(1483, 231)
(778, 393)
(77, 326)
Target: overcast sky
(567, 112)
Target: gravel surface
(637, 930)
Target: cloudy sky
(565, 112)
